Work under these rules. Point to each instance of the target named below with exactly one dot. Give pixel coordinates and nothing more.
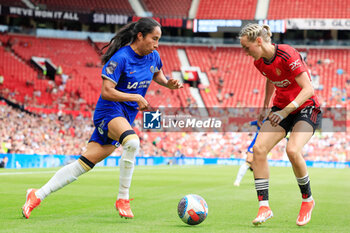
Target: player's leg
(249, 160)
(67, 174)
(120, 129)
(301, 134)
(243, 168)
(267, 138)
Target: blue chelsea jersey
(130, 72)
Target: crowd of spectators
(25, 133)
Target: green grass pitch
(87, 205)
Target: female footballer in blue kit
(130, 64)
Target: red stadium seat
(87, 6)
(168, 8)
(226, 9)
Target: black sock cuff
(126, 133)
(87, 162)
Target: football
(192, 209)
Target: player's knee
(260, 151)
(260, 155)
(293, 153)
(249, 158)
(131, 145)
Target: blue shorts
(103, 116)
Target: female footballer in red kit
(295, 110)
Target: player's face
(150, 41)
(252, 49)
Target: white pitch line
(42, 172)
(101, 169)
(24, 173)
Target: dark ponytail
(128, 34)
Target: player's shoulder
(121, 53)
(155, 54)
(286, 50)
(286, 47)
(120, 56)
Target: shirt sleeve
(295, 64)
(113, 69)
(159, 63)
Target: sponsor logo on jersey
(283, 83)
(132, 85)
(295, 65)
(142, 84)
(111, 67)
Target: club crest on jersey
(111, 67)
(278, 72)
(154, 70)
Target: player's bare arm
(109, 92)
(160, 78)
(269, 90)
(306, 92)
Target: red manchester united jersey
(281, 70)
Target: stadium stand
(228, 70)
(331, 67)
(87, 6)
(81, 63)
(17, 75)
(78, 60)
(224, 67)
(168, 8)
(170, 59)
(18, 3)
(64, 52)
(228, 9)
(230, 65)
(307, 9)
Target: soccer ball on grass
(192, 209)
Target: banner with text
(85, 17)
(318, 24)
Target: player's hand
(174, 84)
(262, 117)
(276, 117)
(143, 103)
